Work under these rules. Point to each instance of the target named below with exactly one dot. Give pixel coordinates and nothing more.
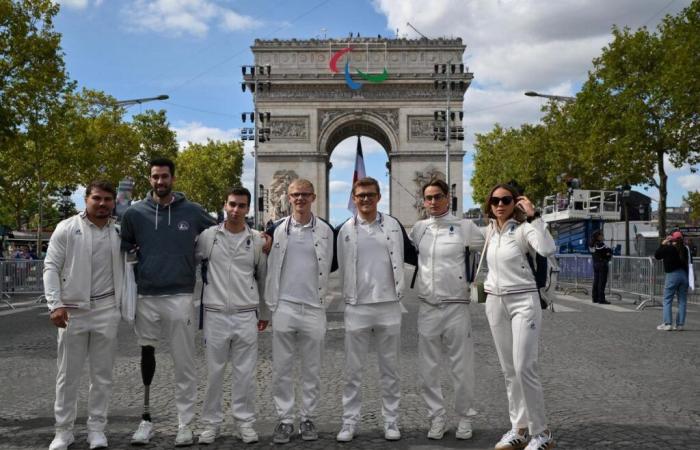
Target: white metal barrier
(21, 277)
(641, 278)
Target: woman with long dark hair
(601, 258)
(676, 257)
(514, 313)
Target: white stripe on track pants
(515, 322)
(448, 323)
(302, 327)
(234, 338)
(92, 335)
(384, 320)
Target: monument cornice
(313, 44)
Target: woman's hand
(526, 205)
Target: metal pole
(256, 214)
(447, 124)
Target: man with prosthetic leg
(162, 230)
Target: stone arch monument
(386, 92)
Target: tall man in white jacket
(443, 317)
(233, 278)
(300, 260)
(372, 248)
(83, 273)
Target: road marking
(614, 308)
(558, 307)
(9, 312)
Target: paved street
(611, 381)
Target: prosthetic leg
(148, 369)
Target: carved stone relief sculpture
(279, 202)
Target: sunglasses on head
(506, 200)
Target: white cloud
(339, 187)
(198, 133)
(343, 156)
(74, 4)
(690, 182)
(184, 17)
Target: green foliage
(693, 201)
(638, 108)
(205, 172)
(156, 139)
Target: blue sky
(192, 50)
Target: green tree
(206, 171)
(640, 103)
(693, 201)
(156, 139)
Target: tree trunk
(663, 180)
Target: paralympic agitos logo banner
(352, 84)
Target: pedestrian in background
(602, 254)
(514, 313)
(676, 257)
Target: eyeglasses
(301, 194)
(436, 197)
(506, 200)
(366, 195)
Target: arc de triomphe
(313, 109)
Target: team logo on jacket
(183, 226)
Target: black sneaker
(283, 433)
(307, 430)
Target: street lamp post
(256, 78)
(559, 98)
(447, 77)
(138, 101)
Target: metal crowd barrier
(21, 277)
(641, 278)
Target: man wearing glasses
(302, 256)
(372, 248)
(442, 241)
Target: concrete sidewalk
(611, 381)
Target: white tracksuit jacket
(227, 291)
(441, 242)
(509, 271)
(398, 245)
(68, 264)
(324, 246)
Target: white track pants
(515, 322)
(449, 323)
(384, 320)
(175, 316)
(304, 328)
(230, 337)
(92, 335)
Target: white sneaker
(678, 327)
(664, 327)
(97, 439)
(391, 431)
(62, 440)
(209, 435)
(512, 440)
(143, 433)
(437, 428)
(246, 433)
(542, 441)
(464, 429)
(347, 432)
(184, 436)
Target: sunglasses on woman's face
(506, 200)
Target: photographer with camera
(678, 266)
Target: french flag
(359, 172)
